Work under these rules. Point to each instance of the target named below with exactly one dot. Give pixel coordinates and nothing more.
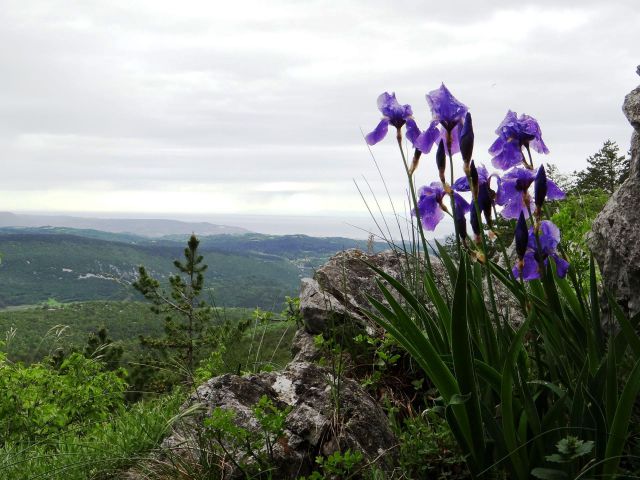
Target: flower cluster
(534, 250)
(507, 193)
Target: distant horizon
(355, 225)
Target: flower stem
(487, 264)
(453, 201)
(530, 157)
(414, 199)
(503, 248)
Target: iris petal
(513, 209)
(509, 156)
(413, 132)
(445, 108)
(530, 270)
(497, 146)
(554, 192)
(429, 208)
(379, 132)
(424, 142)
(562, 266)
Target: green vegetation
(587, 192)
(101, 450)
(43, 401)
(40, 331)
(428, 449)
(89, 389)
(337, 465)
(70, 265)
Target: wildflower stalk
(453, 200)
(530, 158)
(414, 199)
(487, 262)
(503, 248)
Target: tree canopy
(605, 171)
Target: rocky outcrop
(615, 235)
(338, 291)
(303, 347)
(314, 426)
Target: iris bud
(473, 219)
(521, 236)
(540, 187)
(441, 160)
(473, 175)
(485, 201)
(462, 226)
(466, 139)
(416, 160)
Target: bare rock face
(615, 234)
(303, 347)
(314, 425)
(338, 291)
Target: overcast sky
(257, 107)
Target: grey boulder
(314, 426)
(615, 234)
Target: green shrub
(38, 401)
(429, 450)
(97, 450)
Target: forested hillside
(67, 265)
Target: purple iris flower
(485, 195)
(448, 112)
(395, 114)
(513, 192)
(514, 133)
(462, 185)
(539, 251)
(431, 206)
(446, 109)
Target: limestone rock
(303, 347)
(318, 307)
(313, 426)
(338, 291)
(615, 234)
(631, 108)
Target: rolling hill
(66, 264)
(145, 227)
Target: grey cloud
(151, 96)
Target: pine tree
(606, 171)
(187, 318)
(100, 347)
